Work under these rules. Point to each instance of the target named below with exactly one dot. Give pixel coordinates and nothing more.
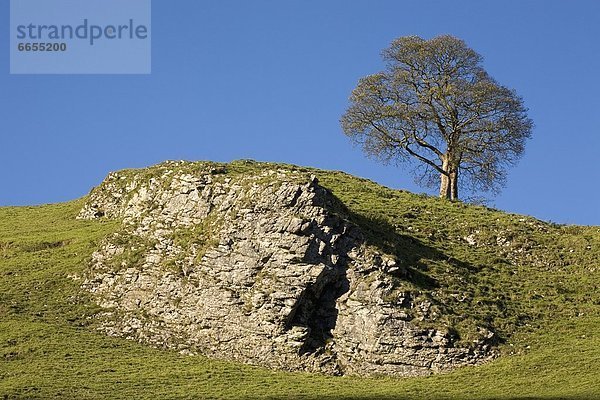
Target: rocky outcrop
(261, 267)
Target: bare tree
(436, 105)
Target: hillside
(493, 285)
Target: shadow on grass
(409, 251)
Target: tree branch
(421, 142)
(425, 160)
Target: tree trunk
(449, 179)
(454, 183)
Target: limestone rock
(261, 268)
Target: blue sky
(269, 80)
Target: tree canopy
(436, 108)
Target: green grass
(539, 292)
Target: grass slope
(536, 284)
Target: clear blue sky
(269, 80)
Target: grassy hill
(534, 283)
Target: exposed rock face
(263, 269)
